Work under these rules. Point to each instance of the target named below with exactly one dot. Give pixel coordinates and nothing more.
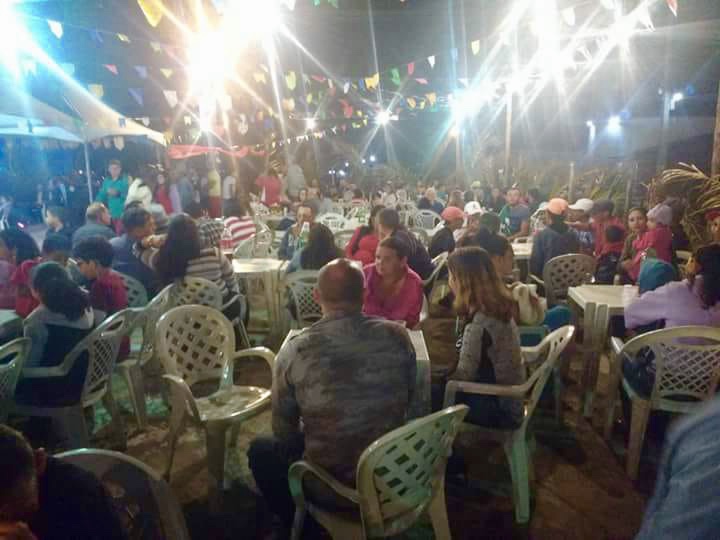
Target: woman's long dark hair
(320, 249)
(23, 244)
(366, 229)
(708, 258)
(182, 245)
(58, 292)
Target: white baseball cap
(472, 208)
(586, 205)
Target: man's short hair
(96, 249)
(94, 211)
(340, 283)
(604, 205)
(114, 162)
(398, 245)
(56, 243)
(389, 218)
(17, 463)
(134, 218)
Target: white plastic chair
(244, 248)
(260, 210)
(687, 371)
(102, 346)
(439, 263)
(333, 221)
(563, 272)
(342, 238)
(400, 477)
(337, 208)
(301, 286)
(515, 442)
(12, 358)
(427, 219)
(144, 500)
(136, 293)
(197, 344)
(263, 244)
(422, 235)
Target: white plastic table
(615, 297)
(421, 401)
(269, 271)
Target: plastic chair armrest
(617, 345)
(300, 468)
(45, 372)
(227, 381)
(181, 396)
(531, 354)
(453, 387)
(537, 280)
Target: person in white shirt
(389, 199)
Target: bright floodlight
(310, 124)
(614, 124)
(373, 159)
(341, 172)
(347, 163)
(676, 98)
(590, 124)
(455, 131)
(364, 161)
(383, 118)
(14, 38)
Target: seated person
(444, 240)
(655, 242)
(61, 320)
(108, 294)
(55, 248)
(138, 224)
(515, 216)
(306, 213)
(210, 230)
(364, 242)
(607, 263)
(319, 251)
(393, 290)
(693, 301)
(16, 247)
(637, 226)
(430, 202)
(418, 258)
(46, 498)
(579, 220)
(321, 409)
(57, 221)
(239, 219)
(554, 240)
(489, 343)
(97, 223)
(491, 222)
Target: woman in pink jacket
(656, 241)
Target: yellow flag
(291, 80)
(432, 98)
(411, 102)
(96, 90)
(475, 47)
(309, 99)
(259, 77)
(372, 82)
(153, 10)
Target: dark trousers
(269, 459)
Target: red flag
(411, 68)
(673, 5)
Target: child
(62, 319)
(656, 242)
(56, 248)
(94, 257)
(637, 225)
(608, 260)
(16, 247)
(713, 220)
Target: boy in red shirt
(107, 289)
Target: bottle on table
(303, 237)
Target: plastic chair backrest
(427, 219)
(687, 363)
(263, 241)
(301, 286)
(332, 220)
(439, 263)
(195, 290)
(566, 271)
(343, 237)
(146, 504)
(260, 209)
(398, 474)
(422, 235)
(245, 248)
(12, 358)
(195, 343)
(102, 346)
(136, 293)
(148, 319)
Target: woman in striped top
(183, 255)
(239, 219)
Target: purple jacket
(677, 303)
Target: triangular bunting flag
(431, 61)
(421, 81)
(291, 80)
(171, 98)
(411, 102)
(309, 99)
(306, 79)
(475, 46)
(137, 94)
(56, 28)
(29, 66)
(319, 78)
(422, 105)
(112, 68)
(141, 71)
(96, 90)
(153, 10)
(123, 38)
(155, 46)
(346, 87)
(145, 121)
(431, 97)
(395, 76)
(68, 68)
(187, 119)
(673, 5)
(331, 86)
(372, 82)
(167, 72)
(411, 68)
(119, 142)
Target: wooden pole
(715, 169)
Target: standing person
(392, 289)
(637, 226)
(364, 242)
(97, 223)
(319, 251)
(229, 193)
(142, 188)
(174, 194)
(489, 344)
(108, 294)
(429, 202)
(138, 224)
(239, 219)
(444, 240)
(515, 216)
(185, 189)
(555, 239)
(113, 193)
(337, 387)
(214, 191)
(295, 180)
(78, 199)
(656, 242)
(270, 187)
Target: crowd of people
(158, 231)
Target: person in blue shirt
(113, 193)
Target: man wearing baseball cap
(444, 240)
(555, 239)
(602, 218)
